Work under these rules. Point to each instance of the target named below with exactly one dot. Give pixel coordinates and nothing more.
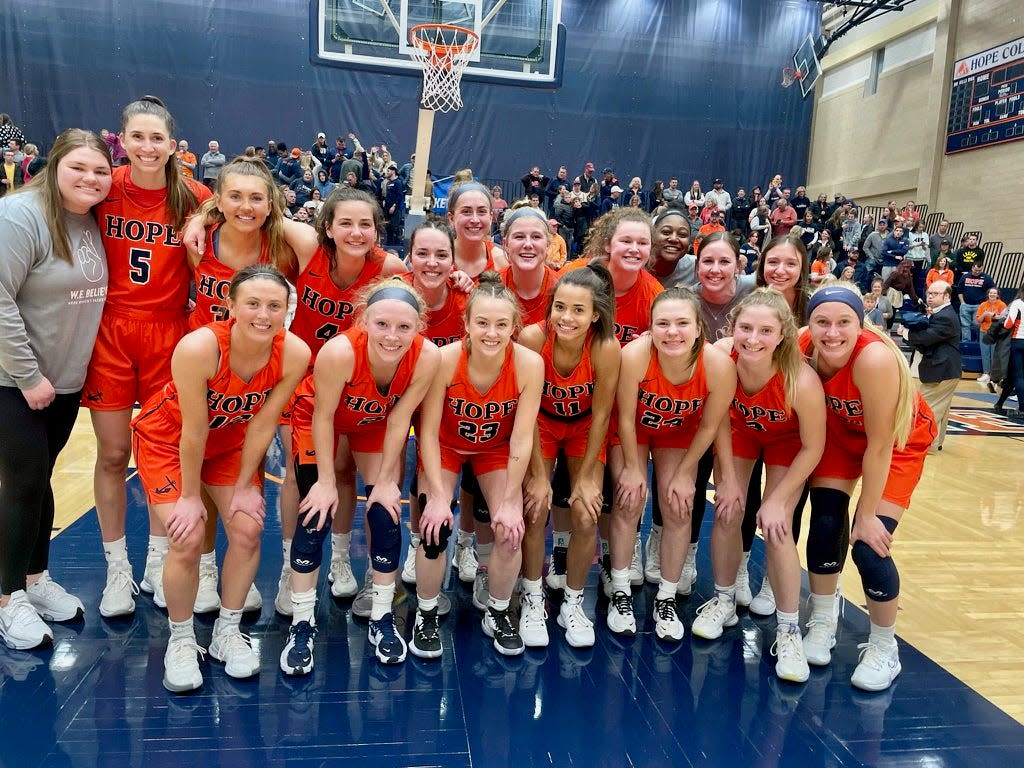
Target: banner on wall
(986, 100)
(442, 187)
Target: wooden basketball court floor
(96, 698)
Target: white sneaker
(466, 563)
(409, 569)
(362, 606)
(481, 589)
(820, 640)
(343, 581)
(533, 625)
(207, 599)
(283, 601)
(763, 603)
(579, 630)
(652, 570)
(181, 665)
(253, 600)
(791, 664)
(606, 581)
(20, 625)
(153, 577)
(879, 665)
(120, 590)
(689, 575)
(621, 620)
(52, 602)
(743, 594)
(235, 650)
(984, 379)
(668, 626)
(636, 565)
(712, 618)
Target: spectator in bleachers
(872, 313)
(694, 219)
(288, 166)
(820, 209)
(822, 266)
(760, 222)
(710, 210)
(11, 175)
(993, 309)
(673, 192)
(773, 191)
(750, 249)
(972, 289)
(873, 245)
(716, 223)
(968, 253)
(910, 213)
(782, 218)
(8, 130)
(323, 182)
(935, 240)
(884, 305)
(212, 162)
(941, 271)
(118, 156)
(694, 194)
(564, 214)
(588, 184)
(851, 231)
(860, 276)
(902, 279)
(534, 182)
(187, 160)
(721, 198)
(558, 251)
(808, 232)
(498, 207)
(560, 181)
(33, 163)
(739, 214)
(608, 180)
(656, 198)
(394, 205)
(894, 251)
(320, 149)
(892, 213)
(614, 199)
(302, 187)
(756, 198)
(800, 202)
(635, 189)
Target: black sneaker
(297, 656)
(498, 624)
(389, 644)
(426, 639)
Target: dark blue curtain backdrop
(651, 87)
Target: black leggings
(29, 444)
(754, 505)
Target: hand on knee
(385, 539)
(879, 576)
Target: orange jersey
(533, 309)
(566, 398)
(761, 420)
(230, 400)
(669, 414)
(362, 406)
(444, 325)
(473, 420)
(148, 266)
(212, 278)
(324, 310)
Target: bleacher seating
(1007, 269)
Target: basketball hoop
(444, 51)
(789, 76)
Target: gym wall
(651, 87)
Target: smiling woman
(53, 279)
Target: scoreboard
(986, 100)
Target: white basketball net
(444, 51)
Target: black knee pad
(433, 551)
(385, 539)
(829, 536)
(308, 546)
(878, 575)
(561, 486)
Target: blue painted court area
(96, 698)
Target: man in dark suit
(939, 345)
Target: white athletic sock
(227, 619)
(286, 550)
(208, 558)
(383, 596)
(158, 544)
(496, 604)
(788, 622)
(304, 606)
(181, 630)
(465, 538)
(532, 587)
(822, 605)
(884, 636)
(726, 593)
(340, 544)
(483, 553)
(427, 603)
(560, 538)
(115, 551)
(667, 589)
(573, 594)
(620, 580)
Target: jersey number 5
(138, 261)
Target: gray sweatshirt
(49, 309)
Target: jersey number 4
(138, 262)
